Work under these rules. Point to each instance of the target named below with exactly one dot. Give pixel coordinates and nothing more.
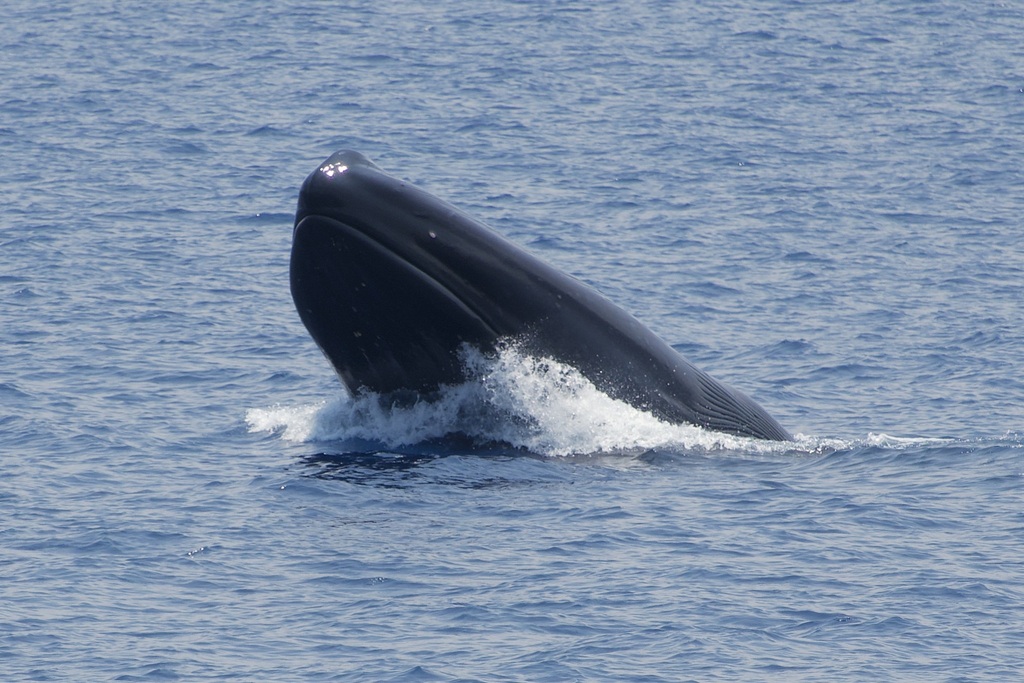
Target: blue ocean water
(818, 203)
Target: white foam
(901, 442)
(528, 402)
(296, 423)
(550, 408)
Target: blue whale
(392, 282)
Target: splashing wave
(529, 402)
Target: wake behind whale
(397, 286)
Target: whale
(393, 284)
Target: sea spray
(530, 402)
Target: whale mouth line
(424, 276)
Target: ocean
(817, 203)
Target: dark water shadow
(463, 461)
(373, 464)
